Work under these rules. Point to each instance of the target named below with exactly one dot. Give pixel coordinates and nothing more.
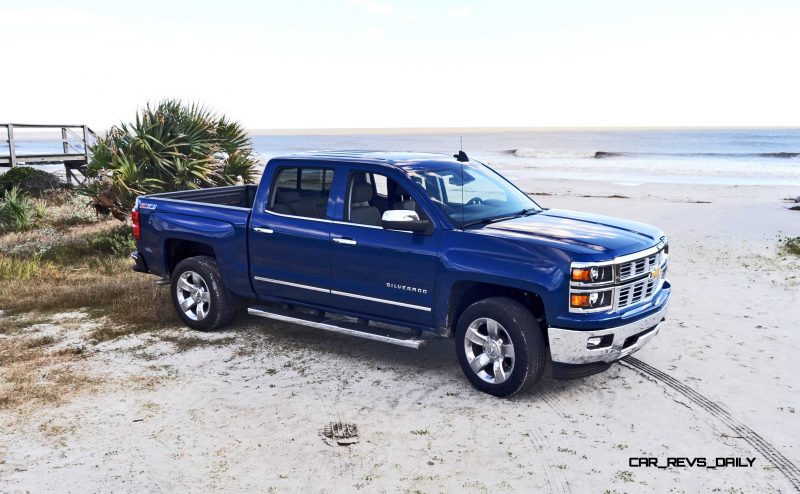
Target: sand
(245, 414)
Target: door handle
(262, 230)
(345, 241)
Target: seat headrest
(407, 204)
(286, 196)
(361, 193)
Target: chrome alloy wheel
(193, 295)
(489, 350)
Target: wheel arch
(466, 292)
(176, 250)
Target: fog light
(597, 342)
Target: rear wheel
(500, 346)
(199, 296)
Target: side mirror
(404, 220)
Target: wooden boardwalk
(73, 152)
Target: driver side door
(385, 274)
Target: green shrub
(39, 209)
(792, 245)
(18, 212)
(116, 242)
(72, 210)
(29, 180)
(169, 146)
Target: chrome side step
(337, 326)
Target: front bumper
(570, 346)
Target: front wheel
(500, 346)
(199, 296)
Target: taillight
(137, 230)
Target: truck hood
(601, 234)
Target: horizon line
(474, 130)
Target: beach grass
(792, 246)
(104, 287)
(34, 372)
(86, 269)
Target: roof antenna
(461, 156)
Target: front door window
(369, 195)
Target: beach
(384, 313)
(244, 408)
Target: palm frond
(168, 146)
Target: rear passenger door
(383, 274)
(290, 240)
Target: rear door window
(302, 192)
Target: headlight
(593, 274)
(591, 300)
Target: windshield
(476, 194)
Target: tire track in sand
(556, 480)
(783, 464)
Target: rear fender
(228, 245)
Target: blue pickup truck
(400, 247)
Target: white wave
(534, 153)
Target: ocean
(626, 156)
(696, 156)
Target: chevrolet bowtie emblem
(654, 274)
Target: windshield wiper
(495, 219)
(486, 221)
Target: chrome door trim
(289, 283)
(321, 220)
(335, 222)
(343, 294)
(381, 300)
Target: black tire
(220, 306)
(516, 323)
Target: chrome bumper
(570, 346)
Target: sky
(418, 63)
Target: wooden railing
(74, 152)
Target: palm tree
(170, 146)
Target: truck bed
(215, 218)
(240, 196)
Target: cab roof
(399, 159)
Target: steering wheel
(474, 201)
(444, 207)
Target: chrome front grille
(637, 291)
(637, 267)
(644, 286)
(636, 279)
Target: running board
(337, 326)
